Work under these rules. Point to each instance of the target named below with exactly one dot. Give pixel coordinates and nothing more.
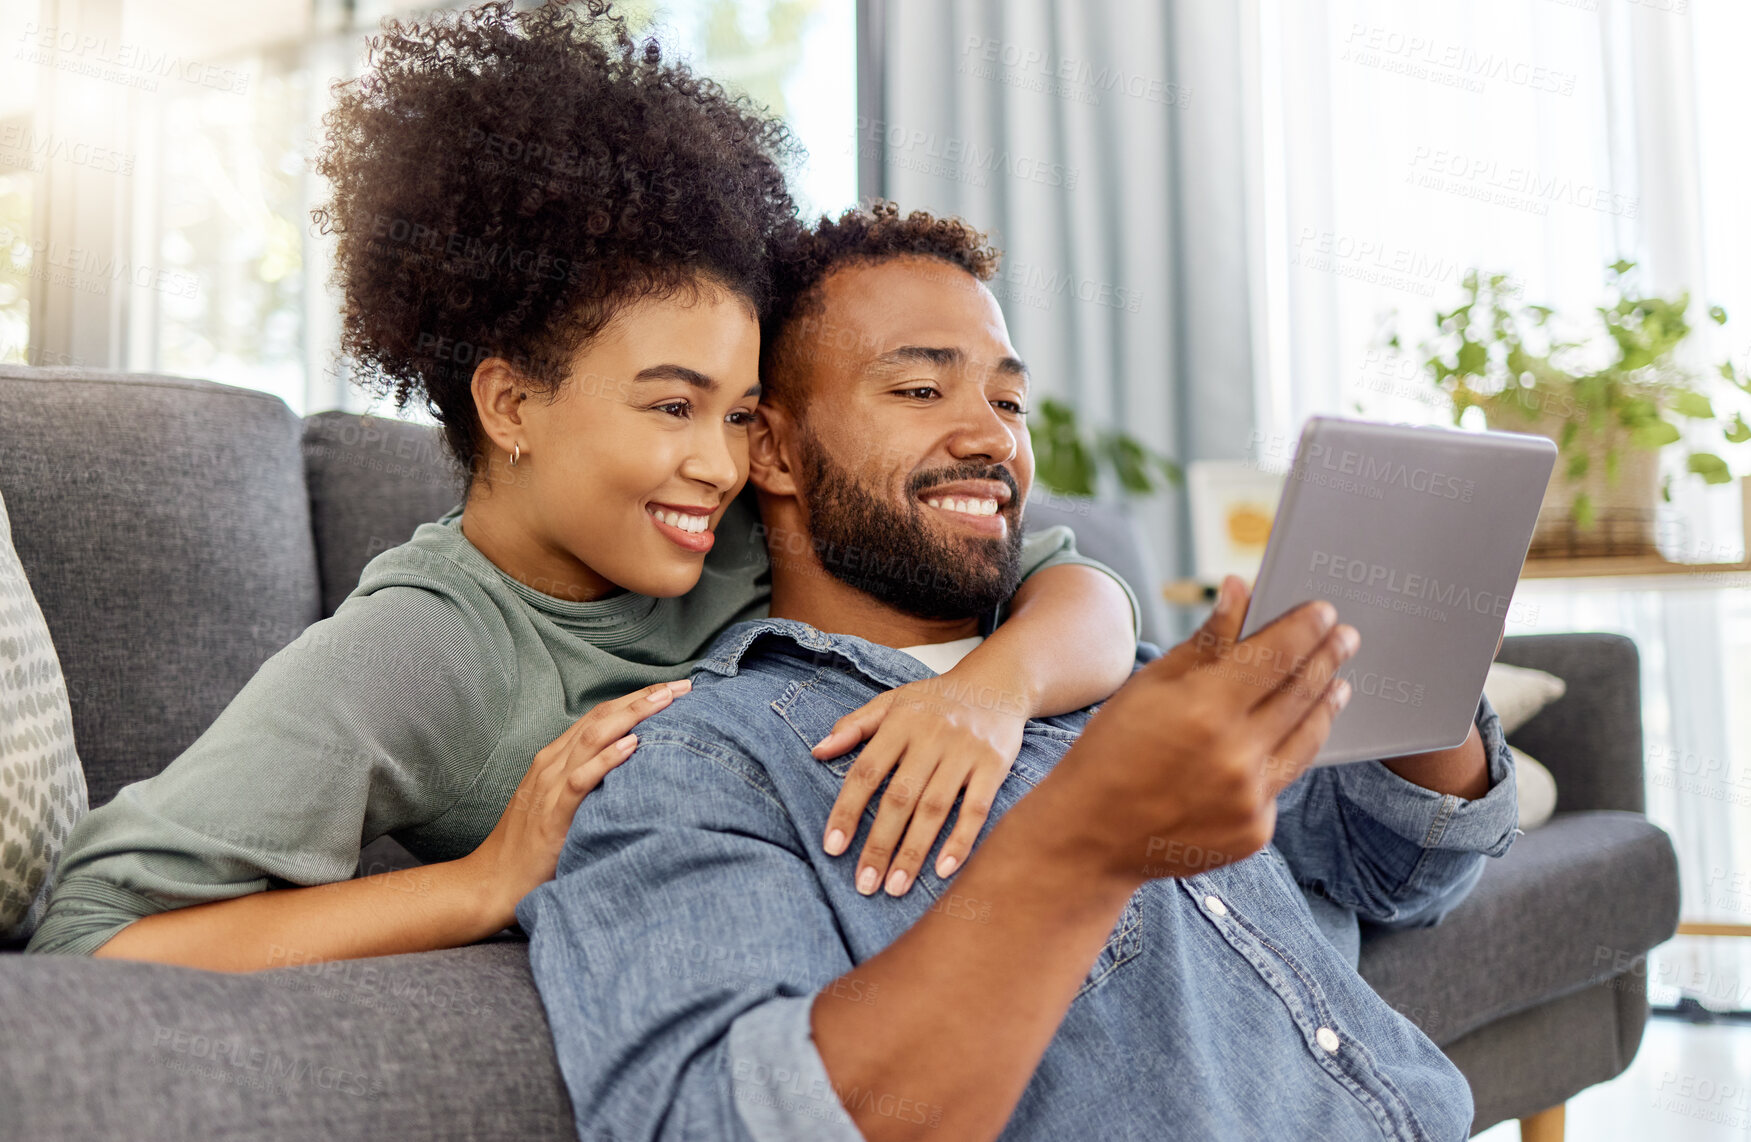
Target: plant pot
(1624, 509)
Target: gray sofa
(178, 532)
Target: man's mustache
(923, 481)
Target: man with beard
(1127, 954)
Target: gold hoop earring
(516, 451)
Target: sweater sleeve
(374, 719)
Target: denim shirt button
(1215, 905)
(1327, 1039)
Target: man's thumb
(1222, 628)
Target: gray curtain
(1100, 142)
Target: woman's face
(626, 473)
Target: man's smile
(977, 505)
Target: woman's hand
(522, 850)
(943, 740)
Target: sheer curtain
(1100, 143)
(1398, 145)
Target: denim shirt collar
(884, 665)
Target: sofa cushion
(1517, 693)
(42, 789)
(372, 481)
(1569, 905)
(447, 1044)
(164, 526)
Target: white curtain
(1399, 144)
(1100, 142)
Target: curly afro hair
(504, 182)
(874, 232)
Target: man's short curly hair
(875, 232)
(505, 182)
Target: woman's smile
(688, 526)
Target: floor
(1688, 1083)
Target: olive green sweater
(413, 711)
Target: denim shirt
(695, 917)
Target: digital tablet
(1417, 537)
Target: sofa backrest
(165, 529)
(178, 532)
(1105, 532)
(372, 481)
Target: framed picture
(1233, 503)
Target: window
(196, 255)
(19, 158)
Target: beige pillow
(1517, 693)
(42, 787)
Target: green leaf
(1066, 460)
(1583, 511)
(1634, 411)
(1738, 432)
(1621, 267)
(1654, 434)
(1577, 467)
(1061, 459)
(1066, 468)
(1692, 404)
(1718, 314)
(1473, 358)
(1666, 490)
(1129, 461)
(1711, 468)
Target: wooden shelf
(1630, 566)
(1701, 929)
(1662, 573)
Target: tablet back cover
(1417, 537)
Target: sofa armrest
(1591, 738)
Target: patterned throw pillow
(42, 787)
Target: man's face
(912, 437)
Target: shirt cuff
(85, 912)
(781, 1087)
(1443, 820)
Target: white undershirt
(943, 656)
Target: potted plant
(1609, 397)
(1069, 460)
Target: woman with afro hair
(560, 241)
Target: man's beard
(891, 553)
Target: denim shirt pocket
(1125, 942)
(810, 707)
(1061, 739)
